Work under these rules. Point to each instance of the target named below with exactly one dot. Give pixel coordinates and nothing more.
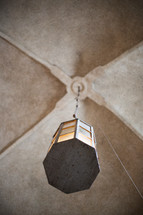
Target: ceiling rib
(59, 105)
(56, 71)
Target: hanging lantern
(71, 164)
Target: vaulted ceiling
(47, 49)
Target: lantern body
(71, 163)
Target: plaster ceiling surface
(120, 83)
(75, 35)
(28, 92)
(45, 46)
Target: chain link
(77, 103)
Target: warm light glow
(50, 146)
(53, 141)
(68, 130)
(66, 137)
(68, 124)
(83, 132)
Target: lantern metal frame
(76, 132)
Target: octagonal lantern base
(71, 166)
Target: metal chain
(77, 101)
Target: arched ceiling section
(77, 36)
(28, 92)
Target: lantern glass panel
(85, 126)
(67, 130)
(85, 132)
(68, 124)
(66, 137)
(85, 139)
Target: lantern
(71, 163)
